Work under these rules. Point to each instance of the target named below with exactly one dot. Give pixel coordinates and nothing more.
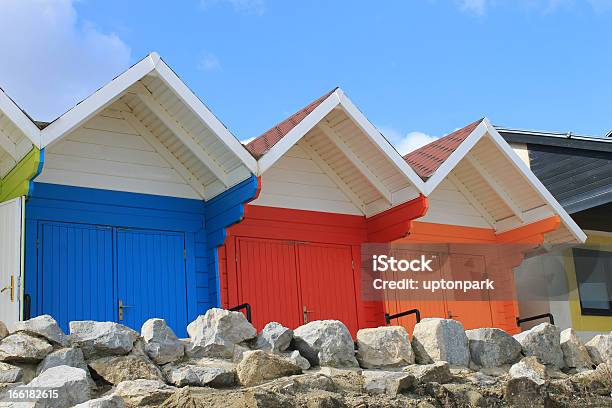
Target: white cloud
(209, 62)
(406, 143)
(477, 7)
(50, 60)
(257, 7)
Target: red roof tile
(427, 159)
(260, 145)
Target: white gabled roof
(349, 148)
(519, 197)
(18, 134)
(155, 101)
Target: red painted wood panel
(327, 283)
(268, 280)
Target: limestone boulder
(435, 339)
(530, 368)
(107, 401)
(387, 382)
(259, 366)
(160, 342)
(23, 348)
(523, 392)
(345, 379)
(544, 342)
(200, 376)
(10, 373)
(325, 343)
(491, 347)
(600, 348)
(70, 383)
(3, 330)
(438, 372)
(575, 354)
(116, 369)
(274, 337)
(42, 326)
(144, 393)
(102, 338)
(216, 333)
(384, 347)
(296, 358)
(71, 357)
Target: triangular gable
(462, 152)
(350, 150)
(156, 102)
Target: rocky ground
(225, 362)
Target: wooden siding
(296, 181)
(447, 205)
(108, 153)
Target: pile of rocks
(225, 362)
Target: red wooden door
(268, 280)
(327, 283)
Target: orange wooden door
(396, 302)
(268, 280)
(472, 309)
(327, 283)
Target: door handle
(306, 311)
(11, 288)
(121, 307)
(450, 315)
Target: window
(594, 276)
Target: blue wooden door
(75, 275)
(151, 278)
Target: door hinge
(37, 243)
(184, 253)
(353, 264)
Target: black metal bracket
(415, 312)
(246, 306)
(27, 306)
(536, 317)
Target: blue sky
(416, 68)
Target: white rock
(575, 354)
(530, 368)
(239, 350)
(435, 339)
(326, 343)
(70, 382)
(438, 372)
(296, 358)
(200, 376)
(72, 357)
(108, 401)
(3, 330)
(161, 344)
(9, 373)
(142, 393)
(387, 346)
(274, 337)
(102, 338)
(216, 333)
(387, 382)
(21, 347)
(544, 342)
(43, 326)
(492, 347)
(600, 348)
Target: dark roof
(577, 170)
(427, 159)
(262, 144)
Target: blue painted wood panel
(202, 224)
(76, 272)
(151, 277)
